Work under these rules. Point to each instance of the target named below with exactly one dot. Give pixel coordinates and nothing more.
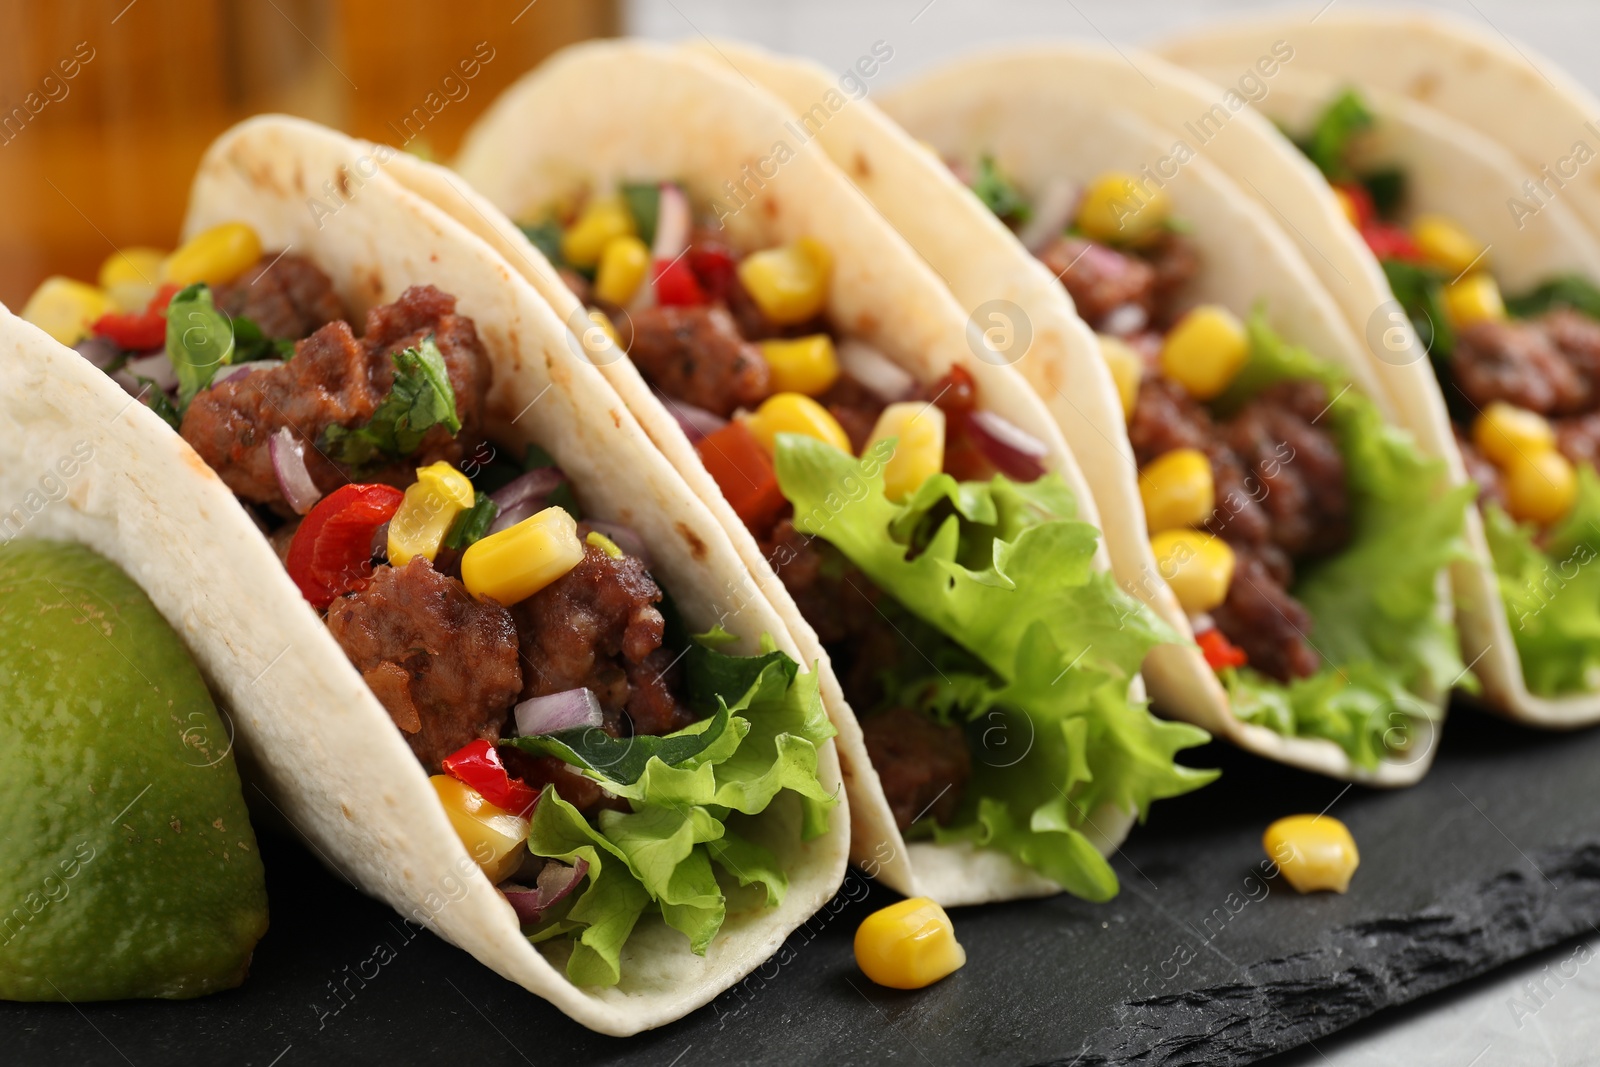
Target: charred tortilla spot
(343, 181)
(616, 418)
(862, 167)
(192, 459)
(769, 207)
(1423, 86)
(697, 547)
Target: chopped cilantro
(420, 399)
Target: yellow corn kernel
(603, 220)
(908, 945)
(1205, 350)
(603, 543)
(1347, 205)
(918, 429)
(517, 562)
(1506, 433)
(494, 836)
(795, 413)
(216, 256)
(789, 284)
(1540, 487)
(1475, 298)
(1445, 244)
(1197, 566)
(1177, 490)
(1126, 369)
(1313, 852)
(804, 365)
(429, 509)
(1117, 209)
(134, 265)
(65, 309)
(623, 265)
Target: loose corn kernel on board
(1199, 960)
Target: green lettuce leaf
(662, 856)
(1374, 605)
(1329, 140)
(1050, 646)
(1552, 593)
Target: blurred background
(106, 105)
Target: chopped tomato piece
(138, 331)
(331, 553)
(742, 470)
(478, 765)
(676, 285)
(715, 267)
(955, 394)
(1219, 652)
(1391, 242)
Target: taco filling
(1521, 381)
(598, 762)
(917, 531)
(1301, 535)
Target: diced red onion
(880, 375)
(101, 352)
(1124, 320)
(157, 367)
(571, 710)
(672, 224)
(962, 170)
(696, 423)
(555, 883)
(1051, 213)
(289, 464)
(625, 538)
(524, 496)
(1017, 453)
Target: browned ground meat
(1266, 622)
(578, 284)
(1578, 438)
(1165, 418)
(597, 626)
(923, 765)
(443, 662)
(286, 295)
(1298, 466)
(1100, 279)
(1577, 337)
(1519, 363)
(696, 355)
(1176, 260)
(855, 406)
(1486, 474)
(335, 379)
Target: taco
(811, 378)
(1506, 307)
(1280, 474)
(410, 532)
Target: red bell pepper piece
(478, 765)
(676, 285)
(1219, 652)
(138, 331)
(1391, 242)
(331, 553)
(741, 469)
(1361, 200)
(716, 268)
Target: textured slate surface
(1202, 959)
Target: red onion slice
(524, 496)
(696, 423)
(625, 538)
(1052, 212)
(101, 352)
(672, 224)
(236, 370)
(1018, 454)
(574, 709)
(882, 376)
(289, 464)
(555, 883)
(157, 367)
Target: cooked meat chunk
(1100, 279)
(696, 355)
(583, 793)
(597, 626)
(855, 406)
(1166, 418)
(1238, 516)
(1266, 622)
(1577, 337)
(1176, 260)
(1519, 363)
(1571, 436)
(923, 765)
(335, 379)
(443, 662)
(286, 295)
(1298, 466)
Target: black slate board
(1200, 959)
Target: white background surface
(1474, 1026)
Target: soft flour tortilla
(1462, 68)
(1454, 170)
(613, 111)
(329, 758)
(1048, 123)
